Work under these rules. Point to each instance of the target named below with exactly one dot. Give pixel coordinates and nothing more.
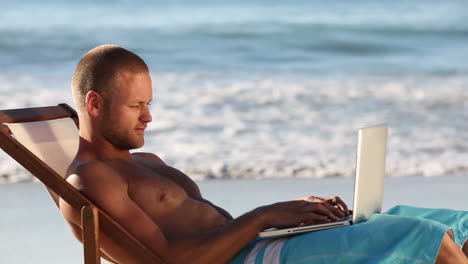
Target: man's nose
(146, 115)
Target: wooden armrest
(90, 224)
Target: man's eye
(134, 106)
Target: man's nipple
(162, 197)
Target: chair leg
(90, 224)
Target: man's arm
(221, 245)
(108, 190)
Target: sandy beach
(32, 229)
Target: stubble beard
(118, 137)
(121, 140)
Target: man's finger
(342, 205)
(317, 218)
(322, 209)
(336, 212)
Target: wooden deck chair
(44, 140)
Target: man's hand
(339, 207)
(300, 212)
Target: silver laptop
(368, 184)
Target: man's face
(126, 114)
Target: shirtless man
(161, 206)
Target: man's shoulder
(87, 166)
(91, 170)
(149, 156)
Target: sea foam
(219, 125)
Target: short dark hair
(98, 71)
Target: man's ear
(94, 103)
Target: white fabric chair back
(53, 141)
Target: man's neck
(92, 144)
(101, 150)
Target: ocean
(262, 89)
